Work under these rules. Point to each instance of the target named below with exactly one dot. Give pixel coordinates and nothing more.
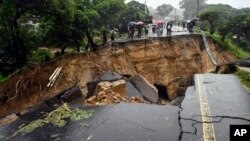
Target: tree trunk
(104, 37)
(78, 48)
(90, 40)
(63, 50)
(223, 38)
(22, 52)
(211, 28)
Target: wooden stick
(56, 76)
(53, 73)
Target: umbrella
(139, 23)
(132, 23)
(159, 21)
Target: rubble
(134, 90)
(111, 93)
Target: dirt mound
(162, 63)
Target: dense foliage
(228, 22)
(26, 25)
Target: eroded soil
(162, 63)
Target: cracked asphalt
(226, 103)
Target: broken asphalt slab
(146, 89)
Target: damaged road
(211, 105)
(123, 121)
(222, 102)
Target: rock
(8, 119)
(110, 76)
(172, 90)
(148, 91)
(118, 87)
(132, 91)
(71, 94)
(108, 93)
(91, 88)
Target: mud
(169, 65)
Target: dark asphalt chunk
(132, 91)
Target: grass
(2, 78)
(244, 77)
(230, 46)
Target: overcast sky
(175, 3)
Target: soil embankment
(162, 63)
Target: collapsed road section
(169, 65)
(190, 121)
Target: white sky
(175, 3)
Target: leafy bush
(244, 76)
(229, 45)
(2, 78)
(40, 56)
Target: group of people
(132, 28)
(159, 28)
(156, 28)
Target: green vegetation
(229, 45)
(40, 56)
(27, 25)
(57, 117)
(231, 27)
(245, 77)
(211, 17)
(2, 78)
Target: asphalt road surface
(211, 104)
(214, 103)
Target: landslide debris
(160, 62)
(57, 117)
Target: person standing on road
(146, 30)
(139, 31)
(169, 28)
(131, 31)
(112, 35)
(183, 25)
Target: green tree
(225, 11)
(211, 17)
(139, 10)
(13, 49)
(134, 11)
(109, 11)
(164, 9)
